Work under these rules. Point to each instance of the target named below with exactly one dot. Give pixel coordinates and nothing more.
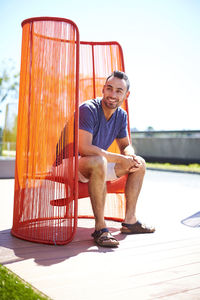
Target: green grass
(13, 288)
(8, 153)
(192, 168)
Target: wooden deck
(162, 265)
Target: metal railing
(165, 133)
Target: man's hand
(130, 163)
(136, 163)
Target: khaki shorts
(110, 174)
(60, 171)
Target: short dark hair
(120, 75)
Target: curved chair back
(49, 96)
(97, 61)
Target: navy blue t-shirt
(92, 119)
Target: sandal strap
(138, 223)
(131, 225)
(137, 227)
(109, 236)
(98, 233)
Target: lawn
(14, 288)
(191, 168)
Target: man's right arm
(85, 144)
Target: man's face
(114, 92)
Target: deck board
(163, 265)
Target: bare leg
(94, 168)
(132, 190)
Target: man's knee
(91, 164)
(142, 166)
(99, 164)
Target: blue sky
(161, 44)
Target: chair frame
(80, 189)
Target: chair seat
(115, 186)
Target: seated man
(101, 121)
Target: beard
(110, 103)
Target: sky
(161, 44)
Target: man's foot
(136, 228)
(104, 238)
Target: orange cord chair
(57, 74)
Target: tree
(150, 128)
(9, 86)
(9, 80)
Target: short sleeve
(123, 132)
(86, 119)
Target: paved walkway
(163, 265)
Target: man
(101, 121)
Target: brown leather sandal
(104, 238)
(136, 228)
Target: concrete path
(163, 265)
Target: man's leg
(94, 168)
(132, 191)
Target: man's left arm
(125, 146)
(127, 149)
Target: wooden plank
(163, 265)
